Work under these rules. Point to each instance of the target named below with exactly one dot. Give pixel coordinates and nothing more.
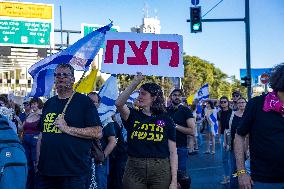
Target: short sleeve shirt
(148, 136)
(266, 140)
(180, 115)
(62, 154)
(108, 131)
(224, 117)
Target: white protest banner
(150, 54)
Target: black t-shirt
(224, 117)
(147, 136)
(108, 131)
(62, 154)
(121, 146)
(235, 124)
(180, 115)
(266, 140)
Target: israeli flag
(203, 93)
(213, 120)
(133, 97)
(108, 94)
(80, 55)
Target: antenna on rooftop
(146, 10)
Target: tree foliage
(198, 72)
(165, 83)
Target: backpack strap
(231, 119)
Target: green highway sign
(88, 28)
(26, 33)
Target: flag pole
(61, 32)
(69, 100)
(80, 80)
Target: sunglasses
(242, 102)
(223, 102)
(62, 75)
(236, 95)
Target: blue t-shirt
(148, 136)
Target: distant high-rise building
(149, 24)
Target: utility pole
(247, 31)
(247, 25)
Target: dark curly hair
(158, 106)
(211, 104)
(38, 101)
(276, 80)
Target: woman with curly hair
(152, 155)
(263, 121)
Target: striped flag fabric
(133, 97)
(80, 55)
(213, 119)
(108, 94)
(203, 93)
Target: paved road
(206, 170)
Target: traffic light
(245, 81)
(195, 19)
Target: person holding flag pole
(69, 120)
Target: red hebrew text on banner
(151, 54)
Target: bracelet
(239, 172)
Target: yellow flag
(190, 99)
(87, 84)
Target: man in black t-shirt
(263, 122)
(65, 140)
(183, 118)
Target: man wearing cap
(185, 125)
(235, 96)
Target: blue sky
(220, 43)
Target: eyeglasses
(236, 95)
(62, 75)
(242, 102)
(223, 102)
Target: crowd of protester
(146, 144)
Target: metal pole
(221, 20)
(266, 88)
(247, 30)
(68, 39)
(247, 26)
(61, 26)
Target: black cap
(236, 92)
(177, 90)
